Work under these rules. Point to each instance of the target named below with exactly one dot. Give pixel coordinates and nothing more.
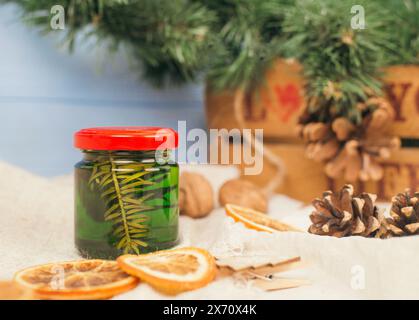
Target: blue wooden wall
(46, 95)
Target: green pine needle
(118, 184)
(233, 42)
(335, 55)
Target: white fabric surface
(36, 226)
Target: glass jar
(126, 191)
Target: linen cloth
(36, 226)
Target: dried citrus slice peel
(172, 271)
(10, 291)
(88, 279)
(256, 220)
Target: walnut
(243, 193)
(196, 197)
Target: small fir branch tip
(125, 209)
(234, 42)
(339, 63)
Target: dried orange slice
(10, 291)
(172, 271)
(88, 279)
(256, 220)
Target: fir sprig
(341, 64)
(404, 31)
(168, 40)
(78, 15)
(233, 42)
(250, 38)
(118, 184)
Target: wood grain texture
(402, 89)
(277, 105)
(306, 180)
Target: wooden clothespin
(263, 275)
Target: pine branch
(249, 41)
(133, 193)
(118, 184)
(166, 39)
(404, 31)
(341, 64)
(233, 42)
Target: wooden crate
(305, 179)
(277, 105)
(402, 89)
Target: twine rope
(262, 150)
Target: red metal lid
(126, 138)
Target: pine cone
(349, 150)
(341, 214)
(404, 214)
(322, 144)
